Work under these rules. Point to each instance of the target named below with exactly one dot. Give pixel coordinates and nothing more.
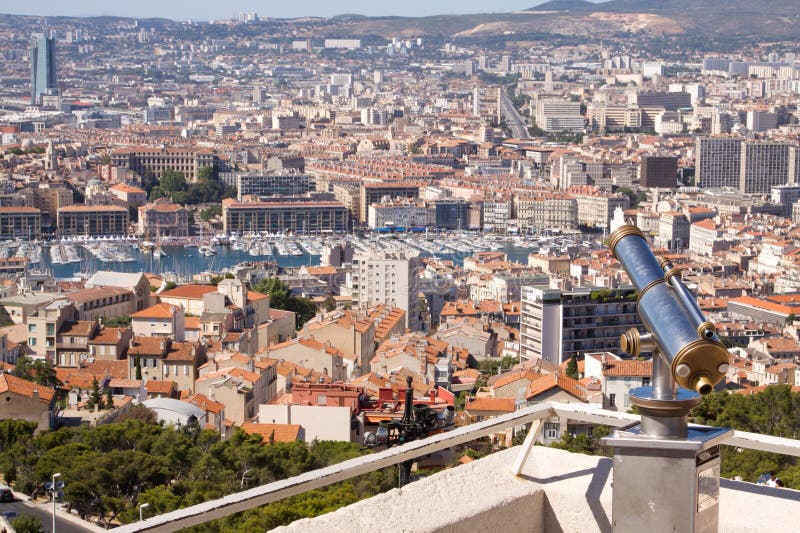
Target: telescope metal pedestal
(666, 485)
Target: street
(517, 124)
(44, 513)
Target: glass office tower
(43, 67)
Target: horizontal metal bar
(258, 496)
(764, 443)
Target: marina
(183, 258)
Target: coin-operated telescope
(658, 461)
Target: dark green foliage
(279, 298)
(572, 367)
(492, 365)
(37, 370)
(110, 469)
(774, 411)
(210, 212)
(122, 321)
(635, 197)
(207, 188)
(583, 443)
(26, 523)
(95, 396)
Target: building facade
(93, 220)
(718, 162)
(163, 219)
(275, 217)
(157, 160)
(43, 68)
(556, 325)
(387, 277)
(20, 222)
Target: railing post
(527, 447)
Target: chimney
(35, 394)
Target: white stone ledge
(557, 491)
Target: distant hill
(776, 19)
(565, 5)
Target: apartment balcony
(522, 489)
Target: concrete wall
(17, 407)
(557, 491)
(323, 423)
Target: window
(612, 400)
(645, 382)
(322, 399)
(32, 328)
(551, 430)
(31, 341)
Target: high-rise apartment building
(658, 171)
(388, 277)
(43, 68)
(556, 325)
(718, 162)
(765, 165)
(554, 114)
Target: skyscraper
(43, 67)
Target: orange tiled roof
(278, 432)
(189, 292)
(628, 368)
(23, 387)
(162, 310)
(506, 405)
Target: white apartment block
(718, 162)
(401, 215)
(388, 277)
(559, 115)
(555, 325)
(765, 165)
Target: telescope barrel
(696, 360)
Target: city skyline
(183, 9)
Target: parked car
(5, 494)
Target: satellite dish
(59, 484)
(60, 494)
(48, 485)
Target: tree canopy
(280, 298)
(110, 469)
(207, 188)
(39, 371)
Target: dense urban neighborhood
(239, 250)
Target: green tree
(138, 363)
(572, 367)
(26, 523)
(122, 321)
(39, 371)
(491, 365)
(211, 212)
(95, 396)
(109, 403)
(329, 303)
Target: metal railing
(272, 492)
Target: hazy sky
(211, 9)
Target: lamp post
(142, 506)
(53, 488)
(418, 421)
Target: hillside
(778, 19)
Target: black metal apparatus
(418, 422)
(666, 472)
